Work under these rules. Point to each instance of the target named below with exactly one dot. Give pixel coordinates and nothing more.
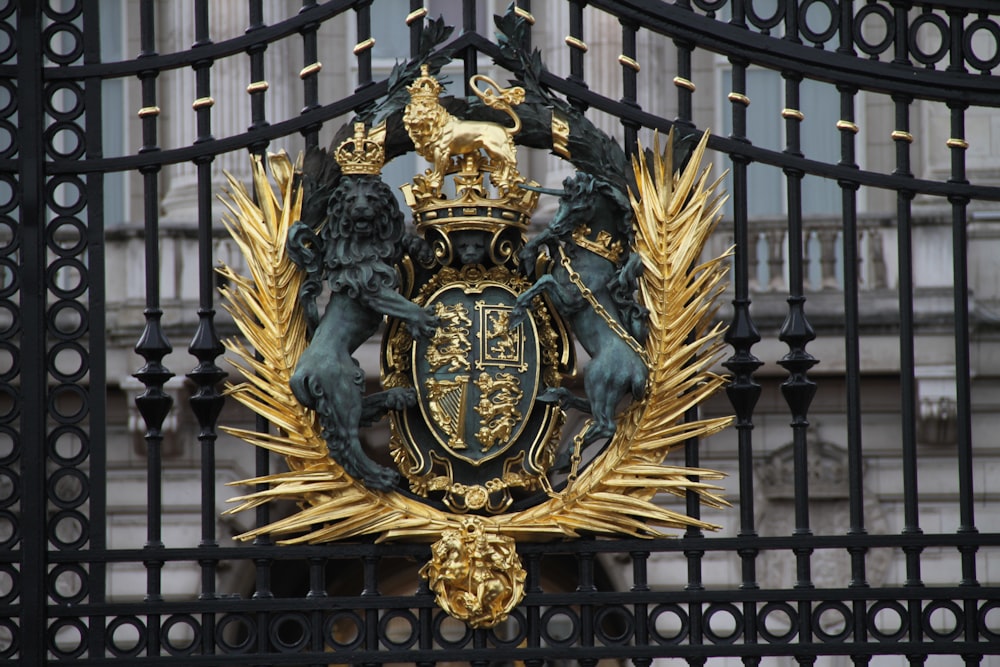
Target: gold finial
(361, 154)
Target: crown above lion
(363, 153)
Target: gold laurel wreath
(675, 214)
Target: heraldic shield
(480, 317)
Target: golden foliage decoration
(675, 214)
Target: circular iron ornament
(406, 640)
(765, 23)
(289, 632)
(983, 618)
(818, 37)
(10, 589)
(65, 517)
(333, 631)
(957, 615)
(64, 648)
(10, 200)
(239, 625)
(69, 134)
(14, 631)
(983, 65)
(10, 487)
(610, 617)
(67, 312)
(68, 570)
(113, 643)
(66, 267)
(887, 605)
(723, 608)
(9, 270)
(9, 526)
(69, 189)
(10, 313)
(12, 238)
(14, 354)
(10, 393)
(68, 393)
(8, 147)
(885, 15)
(63, 32)
(710, 6)
(440, 638)
(944, 34)
(66, 228)
(11, 36)
(64, 90)
(61, 354)
(778, 608)
(173, 646)
(71, 12)
(75, 476)
(826, 609)
(553, 616)
(514, 638)
(674, 610)
(62, 435)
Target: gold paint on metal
(576, 43)
(560, 135)
(739, 98)
(203, 103)
(792, 114)
(363, 153)
(257, 87)
(475, 573)
(525, 14)
(612, 496)
(847, 125)
(361, 47)
(686, 84)
(497, 405)
(601, 245)
(416, 15)
(309, 70)
(631, 63)
(147, 112)
(901, 135)
(957, 143)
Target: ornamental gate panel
(860, 140)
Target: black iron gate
(898, 78)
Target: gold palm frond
(675, 214)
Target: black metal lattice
(54, 561)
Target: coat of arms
(479, 317)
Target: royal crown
(363, 153)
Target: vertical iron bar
(363, 49)
(586, 587)
(963, 390)
(684, 83)
(533, 591)
(371, 638)
(310, 74)
(97, 391)
(258, 85)
(31, 183)
(577, 47)
(425, 621)
(469, 65)
(206, 401)
(154, 404)
(640, 584)
(798, 390)
(317, 589)
(630, 70)
(852, 364)
(904, 199)
(415, 21)
(743, 390)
